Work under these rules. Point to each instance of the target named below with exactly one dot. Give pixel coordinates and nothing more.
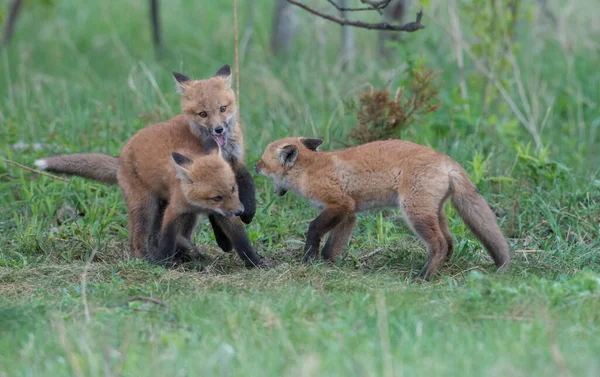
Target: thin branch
(504, 318)
(480, 66)
(408, 27)
(155, 23)
(86, 309)
(236, 62)
(34, 170)
(6, 161)
(373, 5)
(9, 25)
(150, 300)
(366, 256)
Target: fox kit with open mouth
(392, 173)
(209, 119)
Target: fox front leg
(325, 222)
(246, 191)
(220, 236)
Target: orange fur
(148, 175)
(210, 107)
(395, 173)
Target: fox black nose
(256, 169)
(219, 129)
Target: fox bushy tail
(99, 167)
(478, 216)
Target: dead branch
(408, 27)
(373, 5)
(150, 300)
(9, 25)
(86, 309)
(6, 161)
(508, 318)
(366, 256)
(155, 23)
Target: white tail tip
(41, 164)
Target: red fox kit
(209, 107)
(391, 173)
(189, 175)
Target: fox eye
(203, 114)
(217, 199)
(223, 109)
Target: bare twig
(457, 38)
(408, 27)
(384, 335)
(9, 24)
(86, 309)
(34, 170)
(557, 356)
(6, 161)
(150, 300)
(237, 62)
(64, 341)
(529, 124)
(155, 23)
(504, 318)
(367, 256)
(373, 5)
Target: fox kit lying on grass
(395, 173)
(209, 108)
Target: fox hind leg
(338, 238)
(424, 221)
(142, 210)
(446, 231)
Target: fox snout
(258, 167)
(240, 211)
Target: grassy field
(83, 77)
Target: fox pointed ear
(225, 72)
(181, 162)
(181, 81)
(211, 146)
(311, 144)
(287, 155)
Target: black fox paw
(247, 217)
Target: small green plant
(537, 167)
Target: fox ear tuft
(311, 144)
(181, 162)
(225, 72)
(287, 155)
(211, 146)
(181, 81)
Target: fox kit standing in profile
(145, 166)
(391, 173)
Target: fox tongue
(220, 140)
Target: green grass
(82, 77)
